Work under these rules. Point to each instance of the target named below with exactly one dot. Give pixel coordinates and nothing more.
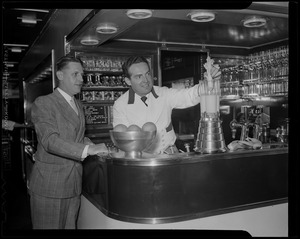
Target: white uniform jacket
(129, 109)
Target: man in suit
(56, 178)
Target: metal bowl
(132, 142)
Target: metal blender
(210, 138)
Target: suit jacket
(57, 171)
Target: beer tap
(282, 132)
(187, 147)
(257, 131)
(234, 124)
(244, 129)
(262, 127)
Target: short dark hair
(132, 60)
(65, 60)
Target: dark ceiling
(173, 27)
(165, 26)
(16, 33)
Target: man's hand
(86, 140)
(97, 149)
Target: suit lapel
(81, 118)
(66, 110)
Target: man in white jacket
(133, 108)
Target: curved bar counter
(172, 188)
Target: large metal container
(210, 138)
(132, 142)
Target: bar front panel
(177, 191)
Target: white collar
(65, 95)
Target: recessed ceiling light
(89, 41)
(254, 21)
(29, 20)
(107, 28)
(16, 49)
(139, 13)
(201, 16)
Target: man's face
(140, 80)
(70, 78)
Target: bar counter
(181, 187)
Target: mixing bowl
(132, 142)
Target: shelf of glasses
(102, 87)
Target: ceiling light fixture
(201, 16)
(254, 21)
(29, 20)
(16, 49)
(139, 13)
(9, 64)
(107, 28)
(17, 45)
(32, 10)
(89, 41)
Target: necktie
(72, 102)
(144, 98)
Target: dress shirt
(73, 105)
(129, 109)
(68, 99)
